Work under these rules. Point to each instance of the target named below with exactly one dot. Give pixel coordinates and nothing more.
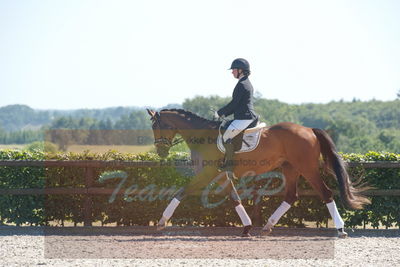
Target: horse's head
(164, 133)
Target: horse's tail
(350, 195)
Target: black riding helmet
(240, 63)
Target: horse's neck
(195, 132)
(182, 121)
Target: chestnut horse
(293, 148)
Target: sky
(94, 54)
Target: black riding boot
(227, 164)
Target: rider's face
(235, 73)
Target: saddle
(246, 140)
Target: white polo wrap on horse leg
(171, 208)
(335, 215)
(282, 209)
(243, 215)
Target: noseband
(167, 141)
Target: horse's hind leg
(314, 178)
(291, 176)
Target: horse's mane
(200, 122)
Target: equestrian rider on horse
(241, 106)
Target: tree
(205, 106)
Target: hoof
(246, 231)
(266, 232)
(267, 229)
(160, 227)
(162, 223)
(342, 233)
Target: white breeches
(235, 128)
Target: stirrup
(225, 167)
(222, 166)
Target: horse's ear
(151, 113)
(154, 114)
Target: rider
(241, 106)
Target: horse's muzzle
(163, 151)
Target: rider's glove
(217, 116)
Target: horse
(293, 148)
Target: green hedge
(384, 210)
(132, 209)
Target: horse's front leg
(169, 211)
(244, 217)
(192, 188)
(198, 181)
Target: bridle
(166, 141)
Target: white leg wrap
(335, 215)
(243, 215)
(171, 208)
(282, 209)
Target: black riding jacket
(241, 104)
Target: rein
(168, 142)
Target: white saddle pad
(251, 136)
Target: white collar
(240, 77)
